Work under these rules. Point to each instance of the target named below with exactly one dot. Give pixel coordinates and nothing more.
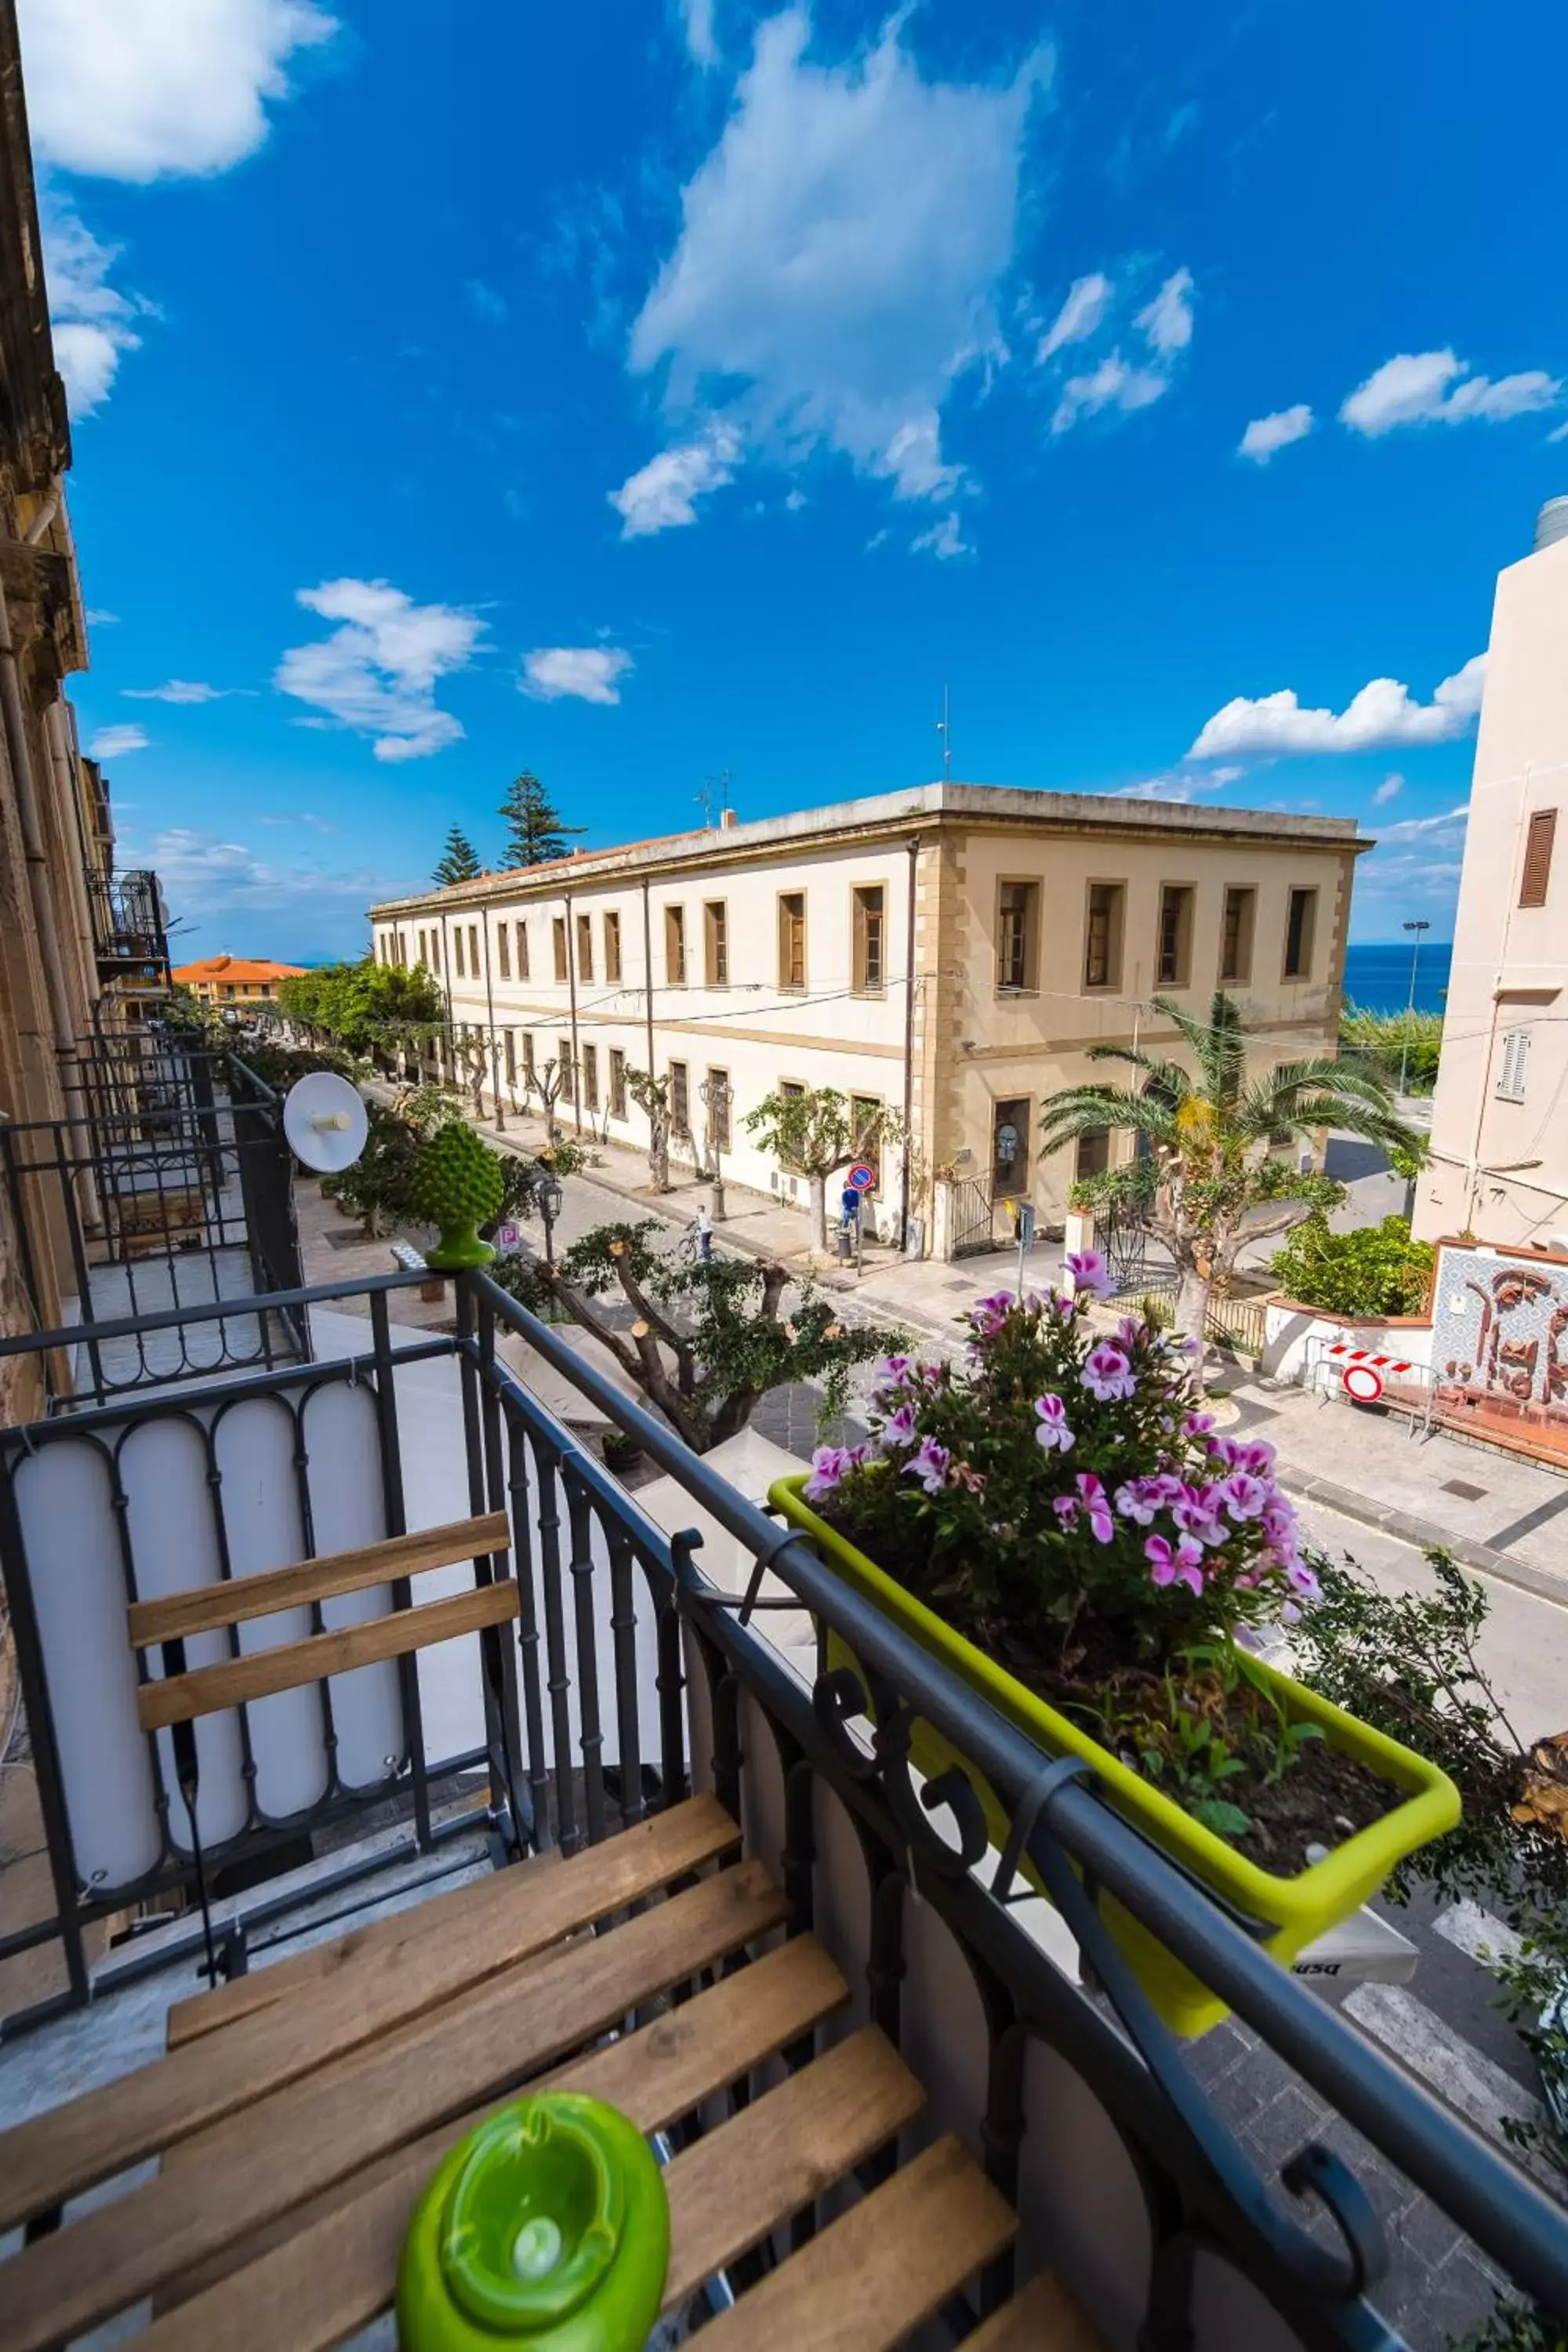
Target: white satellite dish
(325, 1121)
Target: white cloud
(179, 689)
(945, 539)
(1173, 787)
(299, 816)
(491, 307)
(1167, 320)
(113, 742)
(203, 875)
(90, 320)
(1087, 302)
(134, 89)
(659, 495)
(1417, 824)
(376, 674)
(1113, 385)
(587, 672)
(701, 42)
(98, 619)
(1264, 434)
(1382, 713)
(1389, 790)
(1434, 387)
(839, 253)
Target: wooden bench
(308, 2131)
(177, 1697)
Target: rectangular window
(528, 1064)
(792, 939)
(865, 1113)
(503, 951)
(679, 1100)
(617, 1083)
(1018, 936)
(1010, 1148)
(436, 950)
(1093, 1154)
(558, 936)
(870, 919)
(719, 1108)
(1235, 936)
(612, 947)
(568, 1075)
(1538, 843)
(473, 950)
(1300, 921)
(716, 944)
(590, 1078)
(675, 946)
(457, 953)
(421, 947)
(1174, 947)
(585, 947)
(1102, 935)
(1515, 1062)
(519, 934)
(510, 1036)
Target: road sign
(1026, 1225)
(861, 1177)
(506, 1237)
(1363, 1383)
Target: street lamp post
(547, 1192)
(1417, 927)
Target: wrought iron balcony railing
(634, 1679)
(129, 925)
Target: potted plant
(1058, 1521)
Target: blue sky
(636, 394)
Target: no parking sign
(861, 1177)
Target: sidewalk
(1494, 1511)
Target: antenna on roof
(719, 783)
(945, 729)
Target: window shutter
(1538, 857)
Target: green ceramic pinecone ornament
(458, 1186)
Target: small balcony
(130, 927)
(166, 1186)
(648, 1825)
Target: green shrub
(1395, 1042)
(1375, 1270)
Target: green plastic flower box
(1292, 1912)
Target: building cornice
(885, 818)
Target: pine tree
(538, 835)
(458, 862)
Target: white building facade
(1500, 1119)
(947, 954)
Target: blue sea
(1377, 976)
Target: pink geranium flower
(1106, 1374)
(1053, 1433)
(1101, 1526)
(1180, 1562)
(1089, 1273)
(930, 1465)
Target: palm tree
(1212, 1184)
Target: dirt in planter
(1320, 1799)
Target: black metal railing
(635, 1678)
(128, 925)
(167, 1183)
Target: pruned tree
(815, 1132)
(1212, 1185)
(365, 1004)
(460, 862)
(550, 1080)
(535, 834)
(709, 1339)
(651, 1096)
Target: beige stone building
(62, 940)
(1499, 1121)
(949, 952)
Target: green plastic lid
(546, 2227)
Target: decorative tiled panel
(1500, 1327)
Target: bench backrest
(167, 1625)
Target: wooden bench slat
(282, 2155)
(315, 2278)
(179, 1698)
(207, 1608)
(57, 2154)
(453, 1914)
(781, 2153)
(868, 2280)
(1041, 2317)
